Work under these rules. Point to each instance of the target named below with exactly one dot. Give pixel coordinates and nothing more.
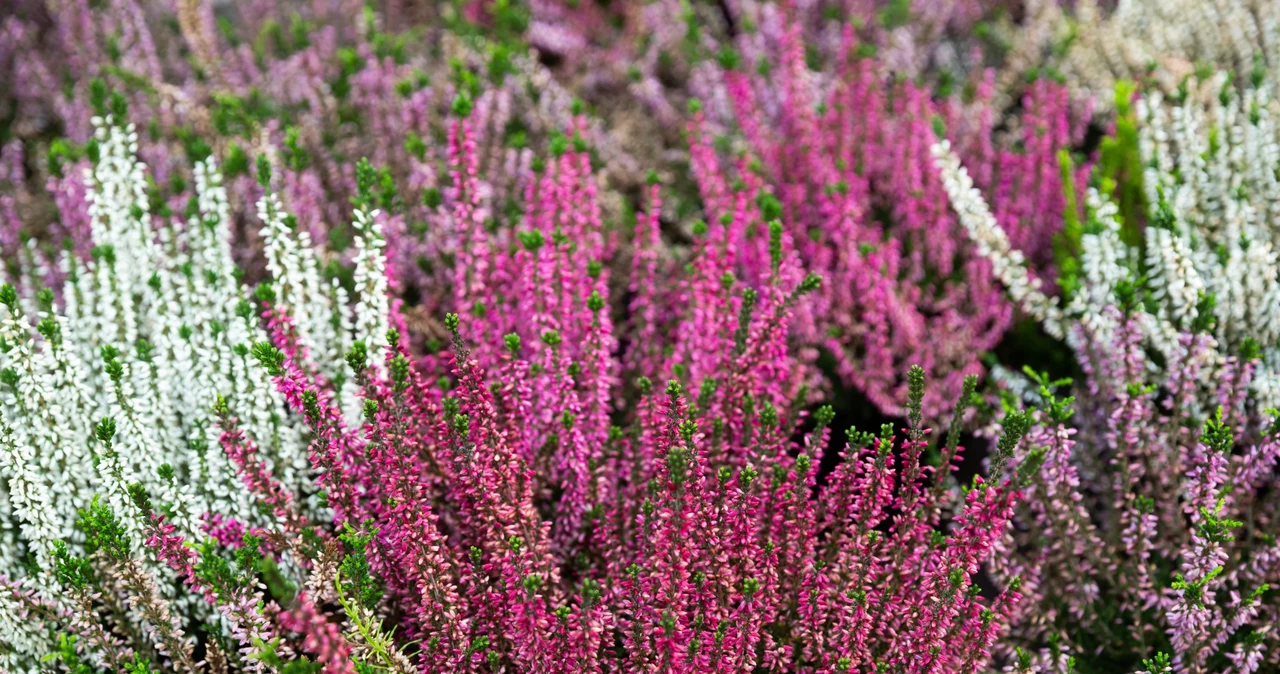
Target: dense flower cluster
(502, 336)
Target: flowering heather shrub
(1128, 542)
(1214, 206)
(1147, 537)
(327, 91)
(1165, 42)
(858, 171)
(1205, 260)
(1148, 529)
(514, 337)
(498, 498)
(320, 85)
(806, 115)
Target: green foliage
(357, 357)
(74, 572)
(1217, 434)
(139, 665)
(1119, 169)
(103, 531)
(1059, 410)
(775, 244)
(1205, 320)
(62, 152)
(745, 313)
(895, 14)
(356, 578)
(227, 577)
(268, 655)
(1213, 527)
(1066, 245)
(1015, 425)
(271, 358)
(915, 398)
(264, 171)
(68, 654)
(1193, 591)
(366, 178)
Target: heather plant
(1147, 539)
(501, 503)
(318, 84)
(846, 164)
(109, 435)
(496, 337)
(1164, 43)
(1213, 214)
(818, 118)
(1148, 532)
(1181, 227)
(326, 91)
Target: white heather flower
(30, 498)
(372, 309)
(992, 242)
(349, 391)
(1173, 278)
(321, 313)
(1104, 264)
(1170, 36)
(152, 330)
(300, 291)
(1210, 155)
(38, 444)
(10, 534)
